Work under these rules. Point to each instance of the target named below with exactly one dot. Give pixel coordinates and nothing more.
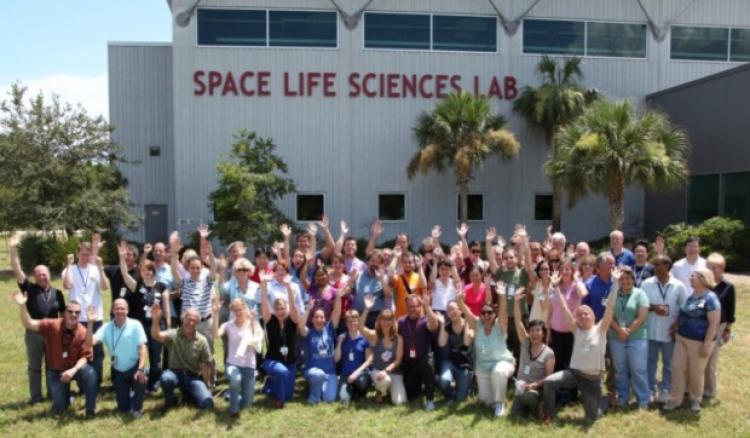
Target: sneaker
(670, 406)
(499, 409)
(136, 414)
(663, 396)
(695, 406)
(429, 406)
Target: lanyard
(412, 332)
(85, 280)
(115, 342)
(663, 292)
(640, 274)
(623, 303)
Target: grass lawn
(17, 418)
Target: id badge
(351, 356)
(511, 290)
(701, 304)
(604, 302)
(64, 354)
(412, 353)
(122, 292)
(586, 347)
(527, 370)
(284, 350)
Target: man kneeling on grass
(189, 360)
(125, 340)
(67, 353)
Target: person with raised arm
(67, 354)
(387, 354)
(85, 282)
(541, 288)
(587, 361)
(561, 337)
(44, 301)
(696, 330)
(125, 340)
(456, 340)
(190, 360)
(354, 354)
(494, 363)
(407, 282)
(666, 295)
(444, 283)
(115, 277)
(320, 342)
(373, 283)
(349, 245)
(537, 362)
(141, 295)
(628, 338)
(281, 327)
(244, 342)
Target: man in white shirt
(666, 295)
(85, 282)
(683, 268)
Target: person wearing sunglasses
(494, 363)
(68, 355)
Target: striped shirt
(197, 295)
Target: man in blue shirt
(622, 255)
(600, 284)
(373, 282)
(125, 341)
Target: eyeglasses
(74, 312)
(242, 270)
(476, 251)
(488, 312)
(554, 260)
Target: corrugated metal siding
(352, 149)
(140, 95)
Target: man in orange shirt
(406, 280)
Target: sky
(60, 46)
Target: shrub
(728, 236)
(52, 249)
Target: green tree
(555, 103)
(610, 147)
(59, 168)
(251, 178)
(460, 133)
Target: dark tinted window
(220, 27)
(543, 207)
(392, 207)
(470, 34)
(302, 29)
(310, 207)
(700, 43)
(397, 31)
(740, 45)
(616, 39)
(553, 37)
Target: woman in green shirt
(628, 339)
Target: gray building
(340, 89)
(715, 112)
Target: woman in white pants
(494, 363)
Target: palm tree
(610, 147)
(460, 133)
(555, 103)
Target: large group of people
(547, 319)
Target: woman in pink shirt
(561, 338)
(474, 292)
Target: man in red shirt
(67, 354)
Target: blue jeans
(280, 383)
(322, 385)
(124, 383)
(98, 356)
(630, 360)
(191, 386)
(241, 387)
(60, 391)
(666, 349)
(154, 358)
(449, 373)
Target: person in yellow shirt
(405, 279)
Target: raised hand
(20, 298)
(174, 242)
(147, 248)
(14, 240)
(215, 304)
(122, 249)
(91, 312)
(344, 228)
(616, 273)
(70, 259)
(549, 231)
(377, 228)
(369, 301)
(324, 222)
(437, 252)
(491, 234)
(96, 242)
(520, 230)
(203, 231)
(462, 230)
(427, 299)
(276, 248)
(312, 229)
(555, 279)
(223, 262)
(436, 232)
(100, 263)
(265, 277)
(659, 245)
(500, 288)
(285, 230)
(155, 312)
(397, 252)
(287, 280)
(520, 294)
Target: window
(222, 27)
(702, 198)
(392, 207)
(475, 207)
(310, 207)
(470, 34)
(616, 39)
(542, 207)
(735, 195)
(740, 45)
(700, 43)
(554, 37)
(302, 29)
(154, 151)
(397, 31)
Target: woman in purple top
(320, 339)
